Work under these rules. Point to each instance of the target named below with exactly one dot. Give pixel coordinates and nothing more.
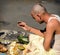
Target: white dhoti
(36, 46)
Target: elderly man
(40, 14)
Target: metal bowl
(6, 42)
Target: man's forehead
(33, 13)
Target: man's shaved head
(38, 8)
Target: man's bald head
(38, 8)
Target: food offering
(23, 39)
(13, 42)
(15, 48)
(3, 48)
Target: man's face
(37, 17)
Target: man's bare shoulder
(53, 23)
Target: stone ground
(12, 11)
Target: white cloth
(36, 46)
(56, 46)
(54, 17)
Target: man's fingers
(19, 22)
(22, 25)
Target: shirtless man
(40, 14)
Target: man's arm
(36, 31)
(50, 29)
(28, 28)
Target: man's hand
(23, 25)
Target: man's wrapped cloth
(35, 46)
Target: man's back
(58, 28)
